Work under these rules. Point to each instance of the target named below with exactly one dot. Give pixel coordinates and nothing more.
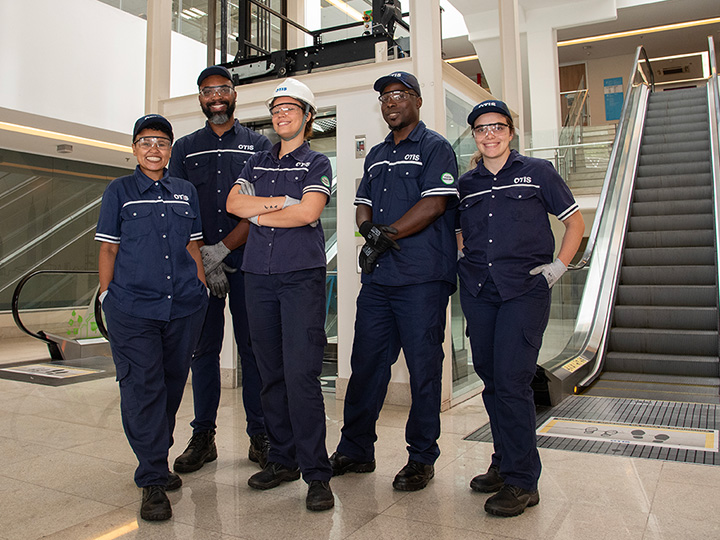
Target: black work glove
(368, 256)
(376, 236)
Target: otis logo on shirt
(412, 157)
(180, 197)
(302, 164)
(523, 180)
(246, 147)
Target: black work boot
(319, 496)
(341, 464)
(259, 447)
(489, 482)
(155, 505)
(511, 501)
(272, 476)
(413, 476)
(174, 482)
(200, 450)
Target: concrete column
(543, 71)
(157, 57)
(510, 57)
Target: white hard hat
(295, 89)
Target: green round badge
(325, 180)
(447, 178)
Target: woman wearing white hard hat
(283, 192)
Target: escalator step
(673, 181)
(653, 239)
(663, 208)
(671, 223)
(699, 137)
(667, 317)
(669, 256)
(669, 169)
(673, 193)
(662, 147)
(668, 275)
(667, 295)
(662, 342)
(698, 154)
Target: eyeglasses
(284, 108)
(223, 90)
(395, 95)
(146, 143)
(482, 130)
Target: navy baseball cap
(490, 105)
(402, 77)
(153, 120)
(214, 70)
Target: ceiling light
(64, 137)
(639, 31)
(342, 6)
(64, 148)
(462, 59)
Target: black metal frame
(246, 68)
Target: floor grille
(620, 421)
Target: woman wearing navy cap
(152, 289)
(506, 271)
(283, 192)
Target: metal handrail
(16, 301)
(585, 259)
(713, 91)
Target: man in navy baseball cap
(487, 106)
(406, 79)
(214, 70)
(155, 121)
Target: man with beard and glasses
(406, 205)
(211, 159)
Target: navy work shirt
(504, 222)
(212, 163)
(395, 178)
(155, 276)
(276, 250)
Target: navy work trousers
(206, 361)
(152, 359)
(411, 317)
(287, 324)
(505, 337)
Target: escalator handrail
(587, 254)
(713, 93)
(16, 300)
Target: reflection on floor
(67, 474)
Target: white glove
(213, 255)
(289, 201)
(552, 272)
(102, 296)
(246, 188)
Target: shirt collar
(299, 154)
(144, 182)
(235, 128)
(414, 136)
(512, 158)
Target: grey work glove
(218, 282)
(246, 188)
(254, 220)
(213, 255)
(552, 271)
(102, 296)
(289, 201)
(376, 235)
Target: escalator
(647, 322)
(663, 341)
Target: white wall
(54, 64)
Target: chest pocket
(136, 220)
(291, 182)
(197, 168)
(523, 204)
(183, 220)
(237, 163)
(406, 181)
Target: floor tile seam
(495, 535)
(34, 484)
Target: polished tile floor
(67, 470)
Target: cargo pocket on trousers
(128, 400)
